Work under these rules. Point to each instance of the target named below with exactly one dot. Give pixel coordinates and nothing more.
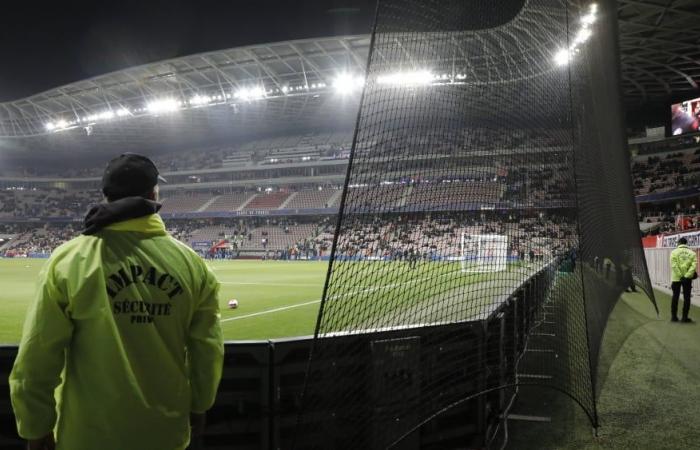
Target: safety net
(487, 225)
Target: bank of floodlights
(343, 84)
(563, 56)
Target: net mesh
(477, 118)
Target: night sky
(48, 44)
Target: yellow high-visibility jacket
(683, 263)
(131, 318)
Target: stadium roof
(228, 82)
(660, 47)
(221, 92)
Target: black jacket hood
(126, 208)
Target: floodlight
(248, 94)
(163, 105)
(412, 78)
(561, 58)
(582, 36)
(200, 100)
(346, 83)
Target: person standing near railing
(683, 272)
(126, 320)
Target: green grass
(649, 396)
(281, 299)
(261, 287)
(650, 378)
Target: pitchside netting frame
(504, 115)
(483, 253)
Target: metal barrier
(658, 262)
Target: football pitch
(277, 299)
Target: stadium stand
(268, 200)
(486, 191)
(543, 233)
(187, 202)
(660, 167)
(230, 201)
(666, 165)
(313, 199)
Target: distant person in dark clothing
(413, 256)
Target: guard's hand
(44, 443)
(197, 423)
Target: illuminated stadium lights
(346, 83)
(199, 100)
(163, 105)
(59, 125)
(562, 57)
(582, 36)
(106, 115)
(248, 94)
(413, 78)
(123, 112)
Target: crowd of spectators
(665, 173)
(665, 219)
(431, 236)
(25, 240)
(669, 165)
(50, 202)
(439, 236)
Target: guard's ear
(154, 195)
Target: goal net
(484, 252)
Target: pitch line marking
(269, 311)
(272, 284)
(297, 305)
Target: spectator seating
(312, 199)
(230, 201)
(188, 202)
(271, 200)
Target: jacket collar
(683, 246)
(150, 224)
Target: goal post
(483, 252)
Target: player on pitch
(132, 317)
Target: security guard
(132, 317)
(683, 271)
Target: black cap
(682, 241)
(129, 175)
